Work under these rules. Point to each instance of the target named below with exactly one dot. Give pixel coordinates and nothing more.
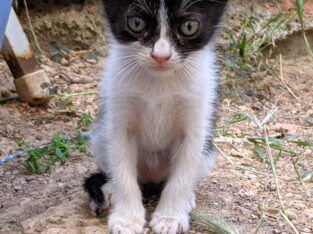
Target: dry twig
(283, 80)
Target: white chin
(161, 68)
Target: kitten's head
(161, 34)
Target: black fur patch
(94, 182)
(209, 146)
(117, 13)
(152, 190)
(207, 12)
(93, 185)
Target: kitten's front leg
(178, 199)
(128, 214)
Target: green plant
(299, 5)
(246, 52)
(40, 159)
(84, 121)
(280, 145)
(264, 146)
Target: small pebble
(292, 215)
(64, 62)
(23, 181)
(254, 216)
(17, 188)
(216, 204)
(91, 61)
(15, 172)
(275, 231)
(39, 138)
(29, 178)
(307, 230)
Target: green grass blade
(302, 143)
(260, 151)
(299, 5)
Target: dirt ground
(241, 189)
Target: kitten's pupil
(189, 28)
(136, 24)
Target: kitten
(158, 107)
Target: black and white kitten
(158, 106)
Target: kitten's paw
(123, 225)
(97, 209)
(169, 225)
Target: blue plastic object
(5, 7)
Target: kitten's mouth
(159, 68)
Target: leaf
(277, 158)
(61, 155)
(84, 121)
(302, 143)
(274, 140)
(262, 139)
(291, 151)
(237, 118)
(290, 138)
(259, 151)
(275, 144)
(243, 46)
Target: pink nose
(161, 59)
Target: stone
(17, 188)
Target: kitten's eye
(189, 28)
(136, 24)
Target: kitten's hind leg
(100, 193)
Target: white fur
(162, 47)
(148, 112)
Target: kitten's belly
(153, 174)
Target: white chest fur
(159, 121)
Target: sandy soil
(55, 203)
(240, 190)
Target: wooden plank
(16, 49)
